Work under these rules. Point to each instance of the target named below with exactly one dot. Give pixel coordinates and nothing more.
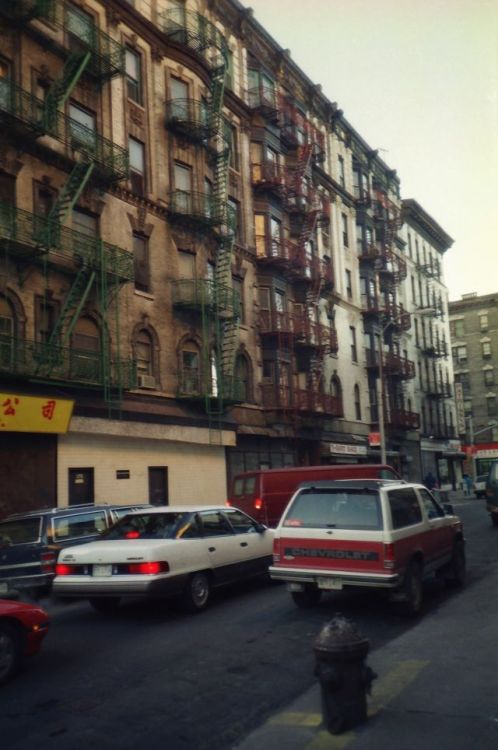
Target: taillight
(47, 560)
(276, 550)
(132, 535)
(148, 568)
(389, 556)
(228, 504)
(61, 569)
(258, 503)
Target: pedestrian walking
(467, 484)
(430, 480)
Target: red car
(22, 629)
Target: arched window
(190, 372)
(243, 377)
(357, 402)
(85, 345)
(336, 391)
(144, 355)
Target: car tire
(197, 592)
(107, 605)
(307, 598)
(457, 566)
(412, 589)
(11, 651)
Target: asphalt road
(155, 676)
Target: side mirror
(448, 509)
(260, 528)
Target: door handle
(212, 549)
(243, 544)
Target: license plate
(3, 588)
(100, 571)
(329, 583)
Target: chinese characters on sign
(20, 413)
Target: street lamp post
(382, 429)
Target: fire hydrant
(345, 679)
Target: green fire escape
(99, 269)
(214, 298)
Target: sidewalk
(437, 686)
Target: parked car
(22, 629)
(375, 534)
(265, 493)
(492, 493)
(480, 485)
(31, 541)
(163, 552)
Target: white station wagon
(166, 551)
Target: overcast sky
(418, 79)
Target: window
(242, 374)
(85, 357)
(491, 406)
(260, 234)
(432, 509)
(141, 262)
(354, 348)
(460, 355)
(345, 236)
(349, 286)
(464, 379)
(357, 402)
(489, 377)
(46, 315)
(133, 72)
(215, 524)
(80, 29)
(483, 321)
(405, 508)
(486, 349)
(234, 152)
(457, 328)
(179, 104)
(7, 332)
(234, 217)
(144, 355)
(183, 184)
(190, 370)
(137, 166)
(44, 199)
(85, 223)
(342, 174)
(186, 264)
(81, 126)
(241, 523)
(238, 287)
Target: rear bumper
(371, 580)
(85, 587)
(18, 584)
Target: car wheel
(107, 605)
(412, 589)
(307, 598)
(197, 592)
(10, 651)
(457, 567)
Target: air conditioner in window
(146, 381)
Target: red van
(264, 494)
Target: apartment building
(433, 395)
(474, 344)
(203, 267)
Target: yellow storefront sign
(20, 413)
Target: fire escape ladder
(61, 88)
(68, 197)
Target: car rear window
(153, 526)
(81, 525)
(244, 486)
(20, 530)
(335, 509)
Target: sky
(418, 80)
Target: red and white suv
(372, 533)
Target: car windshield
(20, 530)
(150, 526)
(335, 509)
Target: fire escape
(95, 269)
(297, 337)
(385, 320)
(434, 349)
(207, 216)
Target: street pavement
(437, 685)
